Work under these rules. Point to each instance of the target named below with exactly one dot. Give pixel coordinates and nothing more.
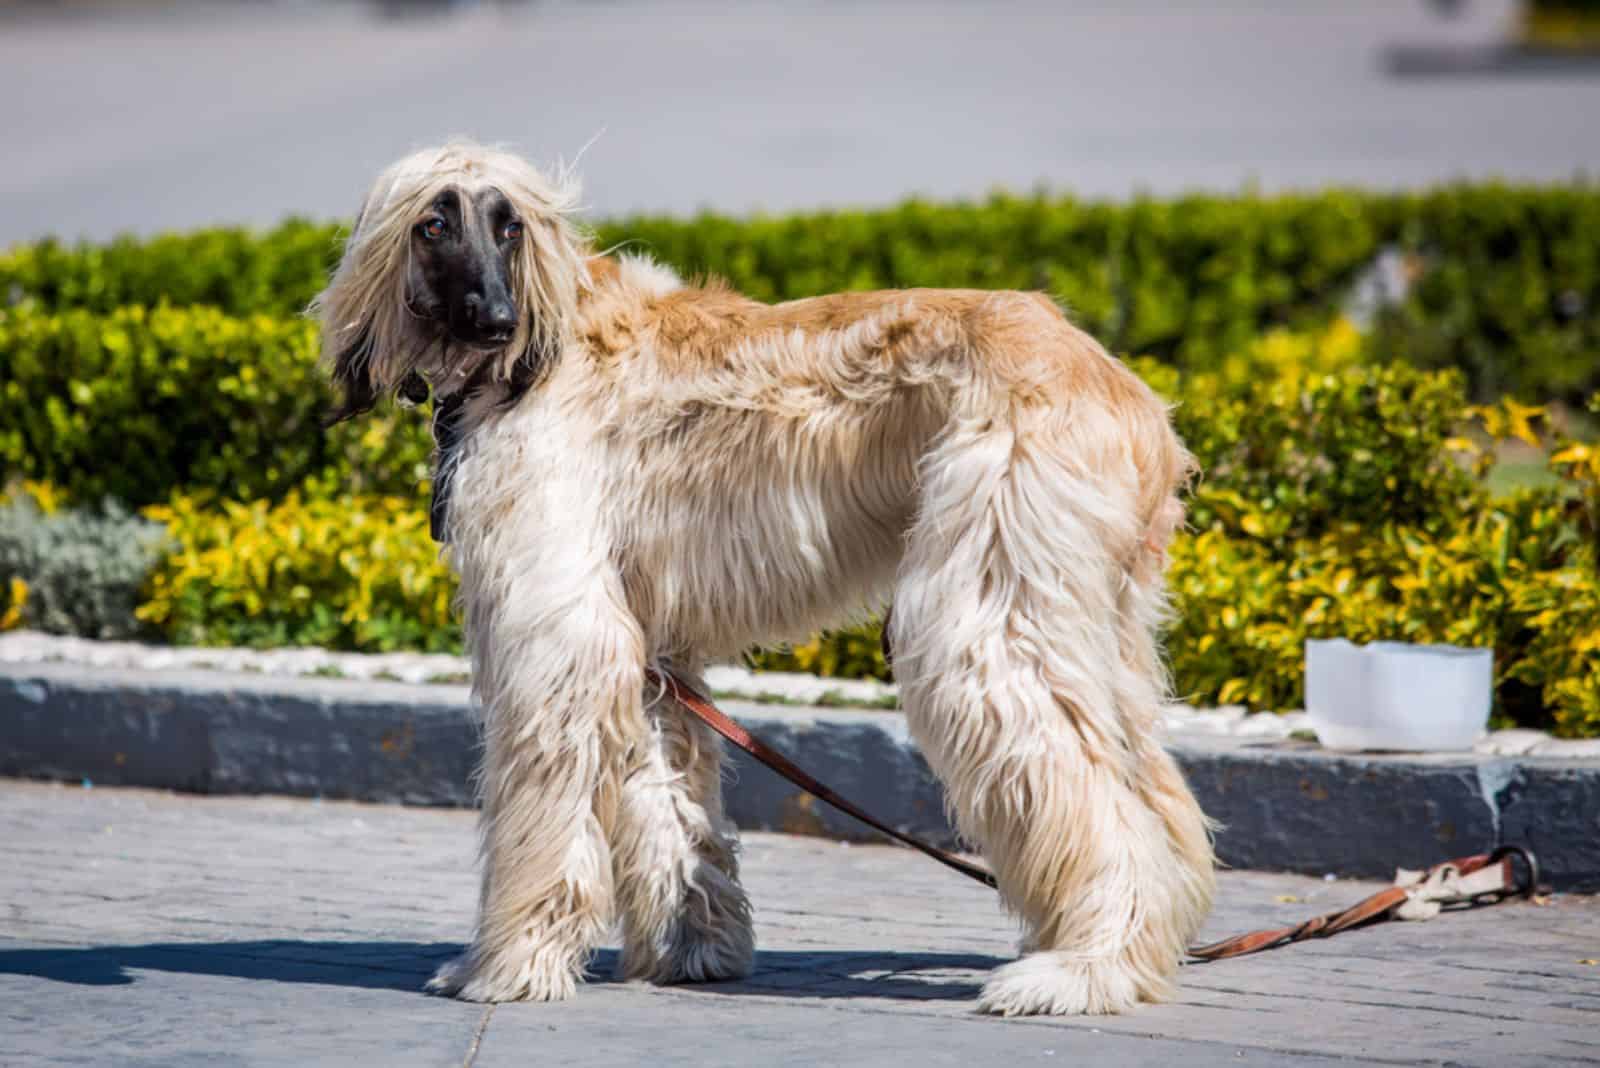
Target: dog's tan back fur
(695, 472)
(833, 401)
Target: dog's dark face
(460, 276)
(459, 279)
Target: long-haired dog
(647, 472)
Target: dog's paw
(731, 955)
(691, 955)
(698, 961)
(468, 979)
(1060, 984)
(451, 977)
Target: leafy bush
(142, 402)
(1507, 284)
(138, 402)
(74, 572)
(1348, 504)
(1508, 287)
(1509, 290)
(1513, 578)
(1186, 279)
(347, 573)
(242, 271)
(1291, 460)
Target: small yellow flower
(17, 600)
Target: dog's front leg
(559, 673)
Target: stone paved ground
(146, 928)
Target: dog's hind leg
(1009, 635)
(685, 917)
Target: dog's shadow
(406, 966)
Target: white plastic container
(1395, 695)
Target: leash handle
(1502, 883)
(717, 720)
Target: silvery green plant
(83, 568)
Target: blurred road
(176, 115)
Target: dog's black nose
(497, 321)
(493, 320)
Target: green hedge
(137, 404)
(1185, 280)
(1576, 7)
(1509, 285)
(243, 272)
(1509, 288)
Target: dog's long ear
(546, 272)
(352, 376)
(349, 308)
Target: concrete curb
(1285, 806)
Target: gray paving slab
(202, 113)
(140, 927)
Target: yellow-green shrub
(1347, 504)
(347, 572)
(1351, 505)
(1512, 578)
(144, 402)
(851, 653)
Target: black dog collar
(447, 415)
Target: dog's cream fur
(695, 472)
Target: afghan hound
(639, 473)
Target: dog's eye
(432, 228)
(512, 231)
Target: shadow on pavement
(380, 965)
(862, 974)
(407, 965)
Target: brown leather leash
(1481, 879)
(1484, 878)
(714, 718)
